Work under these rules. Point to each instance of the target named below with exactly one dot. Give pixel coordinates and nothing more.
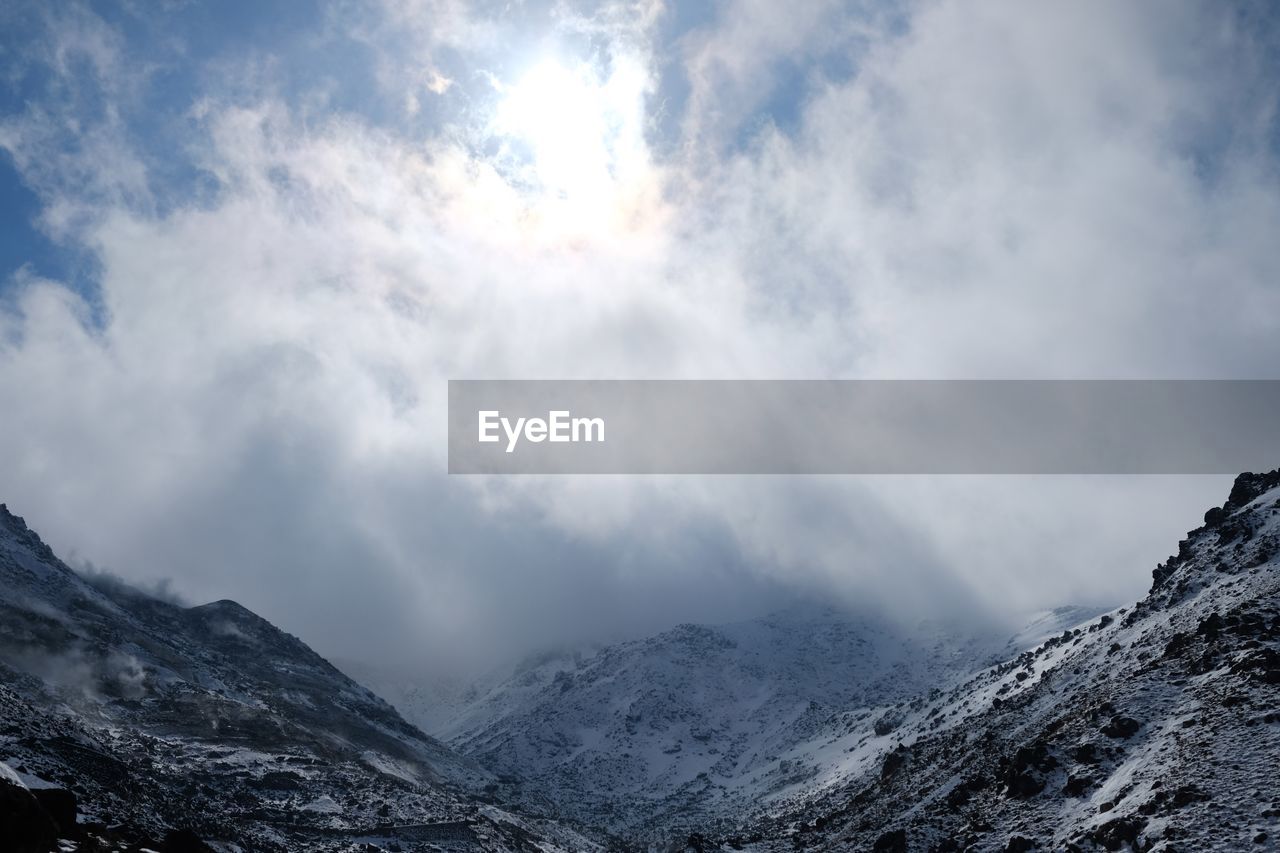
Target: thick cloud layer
(299, 227)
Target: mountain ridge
(159, 721)
(1151, 728)
(690, 727)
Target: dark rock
(1177, 645)
(1020, 780)
(60, 805)
(1160, 574)
(1261, 665)
(1019, 844)
(963, 792)
(1023, 785)
(1186, 795)
(894, 841)
(1248, 486)
(184, 841)
(1115, 834)
(1153, 805)
(24, 824)
(1215, 516)
(279, 780)
(894, 761)
(1210, 627)
(1121, 727)
(887, 722)
(1233, 529)
(1076, 786)
(1035, 755)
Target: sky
(243, 246)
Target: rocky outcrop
(25, 826)
(1150, 728)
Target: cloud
(758, 64)
(258, 412)
(113, 584)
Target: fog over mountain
(132, 722)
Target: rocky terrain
(1152, 728)
(129, 722)
(692, 727)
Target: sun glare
(583, 131)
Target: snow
(1218, 758)
(8, 774)
(765, 725)
(155, 699)
(324, 805)
(705, 722)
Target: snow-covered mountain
(693, 727)
(1148, 727)
(1153, 727)
(157, 725)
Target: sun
(573, 159)
(581, 128)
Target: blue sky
(242, 247)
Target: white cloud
(1004, 191)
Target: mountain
(129, 720)
(693, 727)
(1155, 727)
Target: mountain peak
(227, 722)
(11, 522)
(1233, 535)
(1248, 487)
(226, 607)
(14, 528)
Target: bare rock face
(60, 805)
(24, 824)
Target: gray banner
(863, 426)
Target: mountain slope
(1155, 727)
(692, 727)
(159, 718)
